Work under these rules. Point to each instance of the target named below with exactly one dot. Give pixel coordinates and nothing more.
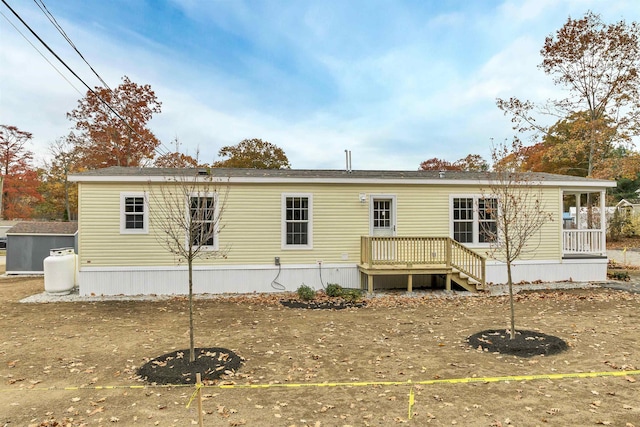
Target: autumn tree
(113, 125)
(621, 164)
(472, 163)
(19, 180)
(185, 216)
(60, 197)
(175, 159)
(534, 159)
(254, 154)
(599, 66)
(512, 212)
(436, 164)
(569, 144)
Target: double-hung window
(297, 224)
(134, 215)
(463, 219)
(473, 219)
(487, 225)
(204, 221)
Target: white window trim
(145, 214)
(283, 222)
(216, 213)
(476, 217)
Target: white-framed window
(134, 213)
(203, 211)
(487, 216)
(473, 219)
(297, 221)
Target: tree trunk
(66, 195)
(513, 312)
(192, 351)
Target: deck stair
(422, 255)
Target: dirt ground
(45, 348)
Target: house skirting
(576, 270)
(172, 280)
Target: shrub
(632, 227)
(306, 293)
(617, 223)
(623, 223)
(352, 295)
(334, 290)
(618, 275)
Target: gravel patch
(492, 290)
(496, 290)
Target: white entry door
(383, 216)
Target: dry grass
(46, 347)
(624, 243)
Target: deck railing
(582, 242)
(411, 251)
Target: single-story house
(30, 242)
(361, 229)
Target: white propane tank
(59, 271)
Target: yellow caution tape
(194, 394)
(412, 400)
(353, 384)
(437, 381)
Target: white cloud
(395, 84)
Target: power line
(53, 21)
(41, 54)
(74, 73)
(57, 26)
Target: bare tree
(598, 65)
(185, 212)
(511, 212)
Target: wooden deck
(421, 255)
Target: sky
(396, 82)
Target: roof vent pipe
(347, 154)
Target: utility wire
(53, 21)
(73, 72)
(41, 54)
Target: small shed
(629, 206)
(29, 243)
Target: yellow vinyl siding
(251, 223)
(101, 243)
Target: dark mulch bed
(525, 343)
(175, 368)
(322, 305)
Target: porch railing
(582, 242)
(412, 251)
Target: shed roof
(44, 227)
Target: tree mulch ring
(525, 343)
(175, 368)
(322, 305)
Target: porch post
(448, 285)
(603, 223)
(578, 197)
(410, 283)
